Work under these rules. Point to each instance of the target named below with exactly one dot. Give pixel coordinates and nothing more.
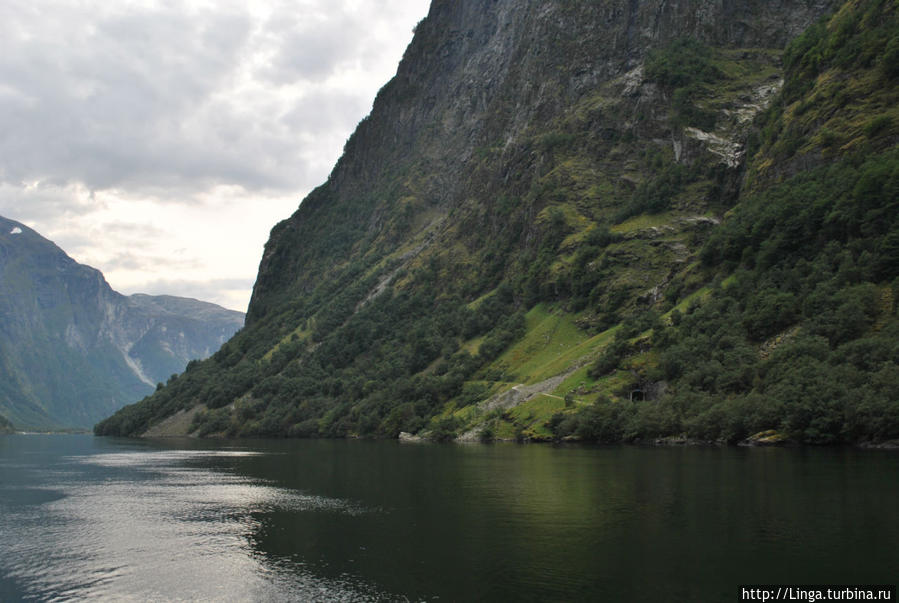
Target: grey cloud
(133, 230)
(313, 43)
(319, 113)
(44, 203)
(115, 235)
(312, 46)
(121, 100)
(116, 95)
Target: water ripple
(157, 528)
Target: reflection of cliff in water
(505, 521)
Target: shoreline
(407, 438)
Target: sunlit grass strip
(552, 343)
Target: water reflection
(156, 525)
(356, 521)
(499, 522)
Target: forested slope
(606, 221)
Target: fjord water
(84, 517)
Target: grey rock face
(481, 74)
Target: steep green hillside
(5, 426)
(799, 333)
(551, 205)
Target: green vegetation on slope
(396, 347)
(5, 426)
(840, 94)
(623, 268)
(804, 340)
(686, 68)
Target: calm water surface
(84, 517)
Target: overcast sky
(160, 141)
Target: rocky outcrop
(770, 437)
(520, 393)
(177, 425)
(482, 75)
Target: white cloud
(160, 141)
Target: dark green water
(352, 520)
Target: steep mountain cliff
(72, 350)
(548, 204)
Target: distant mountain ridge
(73, 350)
